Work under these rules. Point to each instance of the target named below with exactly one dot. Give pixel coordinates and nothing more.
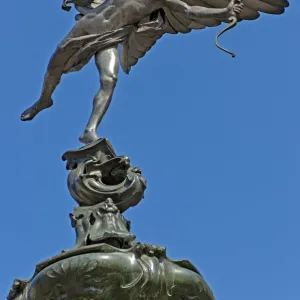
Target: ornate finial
(101, 223)
(97, 174)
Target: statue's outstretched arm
(235, 6)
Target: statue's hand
(234, 8)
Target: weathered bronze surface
(106, 261)
(98, 173)
(135, 26)
(104, 272)
(101, 223)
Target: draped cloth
(136, 40)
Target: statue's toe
(32, 111)
(28, 114)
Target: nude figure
(104, 27)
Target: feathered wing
(151, 29)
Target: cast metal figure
(106, 261)
(135, 26)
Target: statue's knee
(109, 80)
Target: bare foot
(89, 136)
(37, 107)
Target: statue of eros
(131, 26)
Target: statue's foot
(37, 107)
(89, 136)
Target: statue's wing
(166, 21)
(142, 39)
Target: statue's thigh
(107, 61)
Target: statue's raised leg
(73, 53)
(51, 81)
(56, 67)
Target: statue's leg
(51, 81)
(55, 71)
(107, 62)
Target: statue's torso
(114, 14)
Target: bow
(233, 20)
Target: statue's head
(65, 5)
(82, 2)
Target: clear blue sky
(217, 139)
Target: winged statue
(120, 32)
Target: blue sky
(217, 139)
